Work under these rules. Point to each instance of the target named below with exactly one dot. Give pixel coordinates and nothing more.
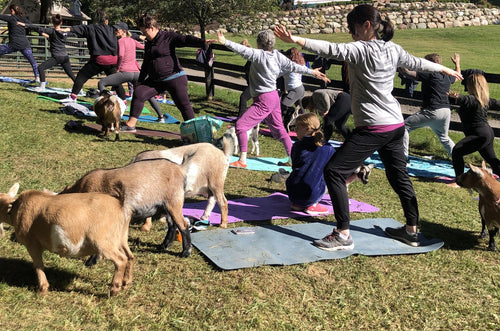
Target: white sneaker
(69, 99)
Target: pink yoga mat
(273, 206)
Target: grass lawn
(453, 288)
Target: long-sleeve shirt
(266, 67)
(160, 60)
(126, 54)
(306, 185)
(472, 114)
(57, 39)
(372, 66)
(101, 39)
(17, 33)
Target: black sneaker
(402, 235)
(333, 242)
(127, 129)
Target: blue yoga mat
(419, 167)
(152, 119)
(263, 163)
(291, 244)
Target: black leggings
(358, 146)
(89, 70)
(55, 60)
(481, 140)
(337, 116)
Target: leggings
(27, 53)
(89, 70)
(337, 116)
(265, 106)
(51, 62)
(120, 77)
(481, 140)
(358, 146)
(177, 88)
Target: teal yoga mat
(291, 244)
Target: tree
(205, 12)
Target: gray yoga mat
(291, 244)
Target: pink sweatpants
(265, 106)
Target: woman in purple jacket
(161, 70)
(18, 42)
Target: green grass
(453, 288)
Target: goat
(482, 181)
(71, 225)
(109, 112)
(149, 188)
(205, 167)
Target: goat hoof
(483, 235)
(186, 253)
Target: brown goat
(205, 167)
(71, 225)
(108, 111)
(149, 188)
(482, 181)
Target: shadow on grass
(454, 239)
(20, 273)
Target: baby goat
(109, 112)
(149, 188)
(71, 225)
(205, 167)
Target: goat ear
(371, 165)
(483, 165)
(13, 190)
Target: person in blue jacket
(306, 185)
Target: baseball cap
(120, 26)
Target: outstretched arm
(282, 33)
(451, 72)
(456, 59)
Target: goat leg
(484, 232)
(492, 245)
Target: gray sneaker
(333, 242)
(402, 235)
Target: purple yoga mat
(273, 206)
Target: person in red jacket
(161, 70)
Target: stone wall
(415, 15)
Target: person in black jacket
(161, 70)
(103, 48)
(57, 46)
(18, 42)
(479, 135)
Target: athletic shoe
(316, 210)
(69, 99)
(160, 120)
(284, 164)
(237, 164)
(402, 235)
(124, 128)
(333, 242)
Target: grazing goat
(149, 188)
(205, 167)
(482, 181)
(71, 225)
(109, 112)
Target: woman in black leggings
(479, 135)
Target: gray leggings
(121, 77)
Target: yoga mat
(6, 79)
(291, 244)
(53, 90)
(140, 132)
(273, 206)
(152, 119)
(263, 163)
(420, 167)
(143, 118)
